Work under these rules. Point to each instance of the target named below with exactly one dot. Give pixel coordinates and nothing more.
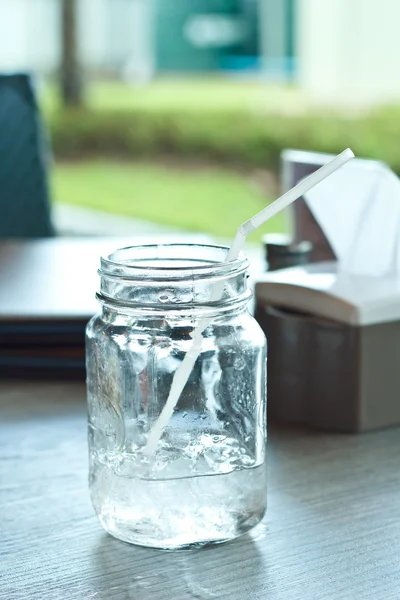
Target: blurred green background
(201, 155)
(177, 111)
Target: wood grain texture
(332, 529)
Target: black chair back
(24, 157)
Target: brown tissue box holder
(333, 348)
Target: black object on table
(282, 251)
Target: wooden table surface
(332, 529)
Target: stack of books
(30, 349)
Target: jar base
(184, 540)
(181, 512)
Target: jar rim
(168, 261)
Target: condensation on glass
(206, 481)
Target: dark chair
(24, 156)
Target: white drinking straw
(182, 373)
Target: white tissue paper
(358, 208)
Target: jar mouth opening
(171, 261)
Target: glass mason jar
(204, 478)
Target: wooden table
(332, 529)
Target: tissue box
(333, 347)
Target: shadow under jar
(205, 482)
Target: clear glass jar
(205, 481)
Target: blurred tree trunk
(71, 76)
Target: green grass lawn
(210, 200)
(187, 94)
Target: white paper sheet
(358, 208)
